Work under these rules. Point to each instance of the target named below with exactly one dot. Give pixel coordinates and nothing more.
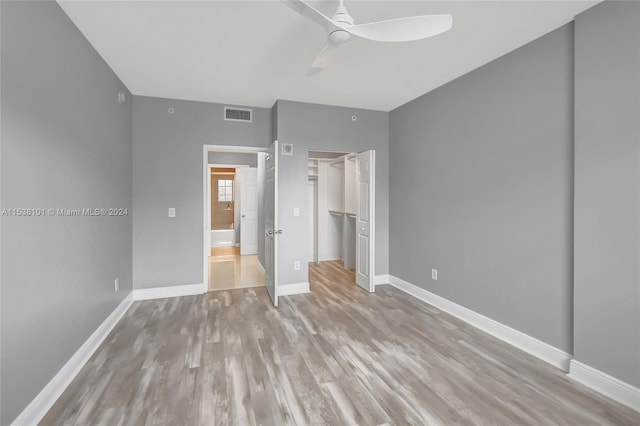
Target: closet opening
(341, 189)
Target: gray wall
(237, 158)
(481, 189)
(167, 164)
(66, 142)
(326, 128)
(607, 189)
(167, 158)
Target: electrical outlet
(172, 212)
(296, 265)
(296, 211)
(116, 284)
(434, 274)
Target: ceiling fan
(341, 26)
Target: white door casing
(313, 219)
(247, 197)
(207, 219)
(365, 220)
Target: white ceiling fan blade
(402, 29)
(323, 59)
(310, 12)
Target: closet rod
(351, 156)
(326, 159)
(340, 160)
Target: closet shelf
(336, 213)
(351, 215)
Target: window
(225, 190)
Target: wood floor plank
(336, 356)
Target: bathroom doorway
(223, 210)
(234, 209)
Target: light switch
(172, 212)
(296, 211)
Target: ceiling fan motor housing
(339, 36)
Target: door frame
(347, 154)
(206, 194)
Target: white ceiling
(255, 52)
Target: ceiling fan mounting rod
(341, 15)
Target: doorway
(232, 214)
(223, 208)
(342, 215)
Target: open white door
(247, 178)
(365, 220)
(271, 222)
(207, 221)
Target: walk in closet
(332, 207)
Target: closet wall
(333, 213)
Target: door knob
(242, 215)
(270, 232)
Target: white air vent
(237, 114)
(287, 149)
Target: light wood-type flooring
(229, 270)
(224, 251)
(336, 356)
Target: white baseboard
(607, 385)
(381, 279)
(261, 267)
(35, 411)
(291, 289)
(219, 244)
(172, 291)
(532, 346)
